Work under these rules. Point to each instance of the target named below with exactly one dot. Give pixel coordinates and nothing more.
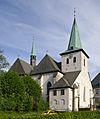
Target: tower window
(62, 102)
(67, 61)
(74, 59)
(54, 92)
(62, 92)
(54, 102)
(84, 62)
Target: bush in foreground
(18, 93)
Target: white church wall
(44, 79)
(84, 91)
(71, 66)
(63, 102)
(59, 75)
(84, 62)
(80, 64)
(70, 100)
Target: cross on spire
(74, 12)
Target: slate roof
(21, 67)
(96, 81)
(66, 81)
(47, 64)
(62, 83)
(71, 76)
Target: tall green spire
(74, 42)
(33, 51)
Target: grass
(66, 115)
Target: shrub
(32, 89)
(20, 93)
(43, 105)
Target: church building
(66, 84)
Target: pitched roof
(66, 81)
(62, 83)
(96, 81)
(71, 76)
(47, 64)
(21, 67)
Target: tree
(13, 96)
(18, 93)
(3, 61)
(11, 85)
(32, 89)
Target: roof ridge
(21, 65)
(66, 81)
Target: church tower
(74, 58)
(33, 55)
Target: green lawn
(67, 115)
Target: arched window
(84, 94)
(74, 59)
(62, 102)
(48, 86)
(84, 62)
(67, 61)
(54, 102)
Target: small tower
(74, 58)
(33, 55)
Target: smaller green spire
(33, 51)
(74, 42)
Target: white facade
(84, 91)
(60, 102)
(43, 80)
(81, 96)
(80, 64)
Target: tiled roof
(71, 76)
(67, 80)
(47, 64)
(62, 83)
(96, 81)
(21, 67)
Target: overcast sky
(50, 22)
